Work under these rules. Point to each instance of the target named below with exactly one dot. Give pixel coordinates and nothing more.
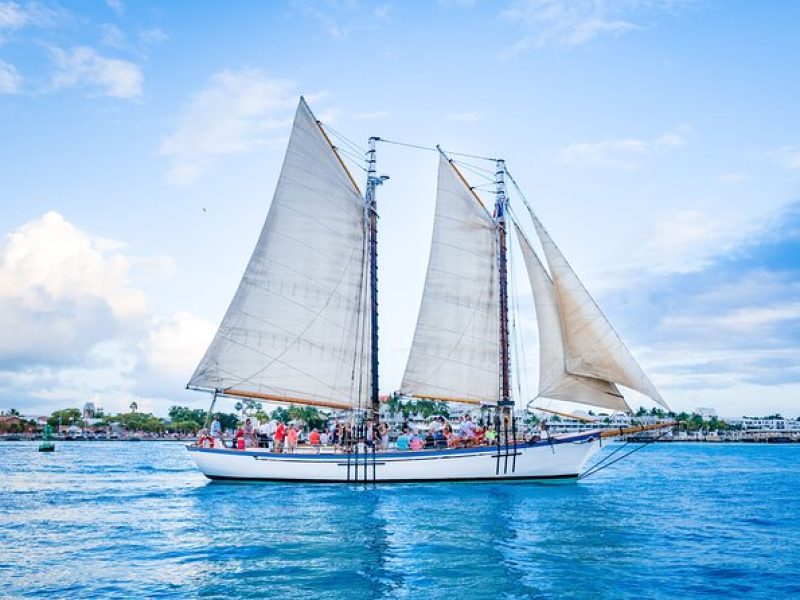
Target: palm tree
(134, 407)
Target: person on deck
(314, 440)
(291, 439)
(280, 436)
(249, 434)
(404, 440)
(324, 438)
(491, 435)
(417, 442)
(439, 440)
(216, 428)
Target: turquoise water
(115, 519)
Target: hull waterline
(560, 459)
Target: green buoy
(47, 435)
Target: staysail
(554, 380)
(455, 352)
(593, 348)
(296, 328)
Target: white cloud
(10, 79)
(84, 66)
(236, 112)
(467, 117)
(112, 35)
(61, 291)
(153, 36)
(117, 6)
(789, 157)
(621, 153)
(572, 23)
(745, 320)
(15, 16)
(175, 345)
(74, 326)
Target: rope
(604, 464)
(354, 147)
(434, 149)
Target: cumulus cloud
(621, 153)
(61, 291)
(236, 112)
(16, 16)
(570, 23)
(75, 326)
(83, 66)
(10, 79)
(175, 345)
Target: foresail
(296, 328)
(593, 348)
(456, 348)
(554, 380)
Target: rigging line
(345, 139)
(475, 172)
(351, 156)
(489, 172)
(592, 471)
(434, 149)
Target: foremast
(371, 208)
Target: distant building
(757, 424)
(706, 413)
(89, 410)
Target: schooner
(302, 328)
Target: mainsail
(554, 380)
(455, 352)
(296, 328)
(593, 348)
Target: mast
(373, 181)
(502, 264)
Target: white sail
(554, 380)
(455, 354)
(296, 328)
(593, 348)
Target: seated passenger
(491, 435)
(416, 442)
(439, 439)
(314, 439)
(404, 441)
(430, 442)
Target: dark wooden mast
(502, 265)
(372, 182)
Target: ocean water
(115, 519)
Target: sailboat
(302, 328)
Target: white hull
(563, 458)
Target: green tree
(68, 416)
(134, 407)
(13, 412)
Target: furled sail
(295, 330)
(455, 352)
(554, 380)
(593, 348)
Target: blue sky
(659, 140)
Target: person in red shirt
(280, 435)
(291, 439)
(314, 440)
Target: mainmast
(373, 181)
(501, 204)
